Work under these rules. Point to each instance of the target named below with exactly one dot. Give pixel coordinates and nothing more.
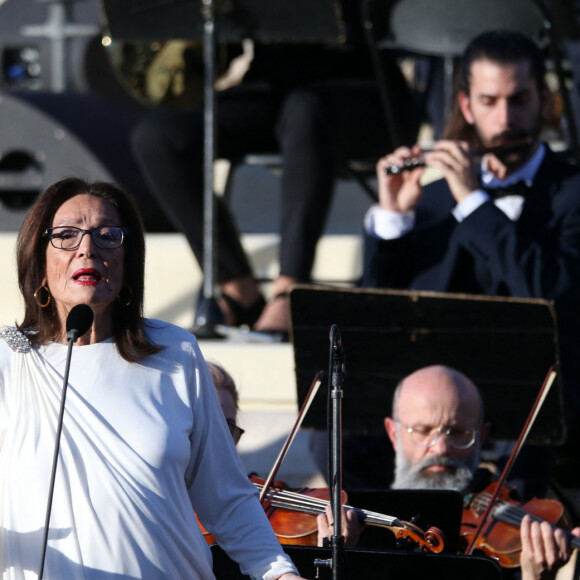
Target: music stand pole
(208, 313)
(335, 384)
(336, 393)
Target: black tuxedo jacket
(536, 257)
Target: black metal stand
(335, 393)
(78, 322)
(337, 382)
(46, 530)
(208, 313)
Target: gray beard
(409, 476)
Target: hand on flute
(457, 164)
(410, 163)
(399, 192)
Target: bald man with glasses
(437, 428)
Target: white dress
(141, 444)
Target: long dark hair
(128, 324)
(503, 47)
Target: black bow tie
(517, 188)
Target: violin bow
(541, 397)
(317, 381)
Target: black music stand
(505, 345)
(226, 20)
(372, 564)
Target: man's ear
(465, 106)
(391, 429)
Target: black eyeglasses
(236, 431)
(70, 237)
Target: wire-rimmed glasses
(427, 436)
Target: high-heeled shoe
(244, 316)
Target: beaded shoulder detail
(15, 339)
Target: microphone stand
(208, 313)
(336, 375)
(71, 336)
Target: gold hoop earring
(125, 301)
(37, 294)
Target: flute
(419, 161)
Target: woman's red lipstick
(87, 276)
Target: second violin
(500, 537)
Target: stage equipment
(48, 136)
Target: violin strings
(509, 513)
(299, 502)
(513, 515)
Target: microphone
(78, 321)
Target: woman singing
(144, 442)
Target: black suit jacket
(536, 257)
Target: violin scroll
(412, 537)
(435, 539)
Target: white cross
(59, 28)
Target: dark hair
(128, 324)
(503, 47)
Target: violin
(292, 515)
(500, 537)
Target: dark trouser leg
(307, 143)
(319, 126)
(169, 148)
